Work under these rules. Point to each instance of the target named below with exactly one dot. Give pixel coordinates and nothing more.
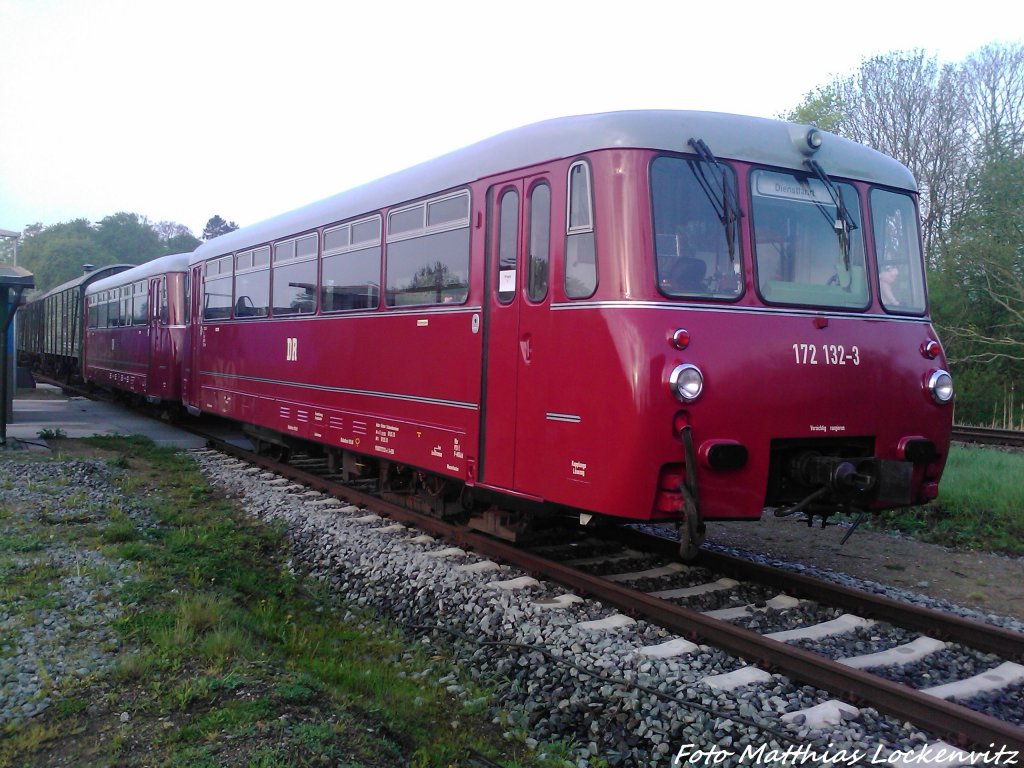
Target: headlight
(940, 386)
(686, 382)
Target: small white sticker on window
(507, 280)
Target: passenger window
(508, 241)
(140, 311)
(162, 299)
(185, 308)
(350, 275)
(428, 256)
(580, 251)
(540, 242)
(294, 277)
(217, 289)
(252, 283)
(113, 309)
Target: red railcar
(135, 330)
(639, 315)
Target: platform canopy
(12, 277)
(14, 281)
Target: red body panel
(119, 358)
(420, 408)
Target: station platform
(48, 413)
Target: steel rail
(944, 626)
(956, 723)
(1011, 438)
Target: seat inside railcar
(679, 273)
(687, 275)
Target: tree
(57, 253)
(823, 106)
(128, 238)
(183, 243)
(995, 83)
(217, 226)
(177, 238)
(910, 107)
(987, 260)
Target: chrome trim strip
(734, 309)
(426, 310)
(345, 391)
(127, 363)
(566, 417)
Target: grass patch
(119, 530)
(21, 543)
(980, 504)
(230, 658)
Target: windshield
(693, 253)
(799, 250)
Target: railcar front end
(781, 355)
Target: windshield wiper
(727, 207)
(843, 223)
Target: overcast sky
(182, 110)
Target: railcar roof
(174, 262)
(86, 278)
(736, 137)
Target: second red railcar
(135, 329)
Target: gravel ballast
(555, 679)
(56, 621)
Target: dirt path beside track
(986, 582)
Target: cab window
(897, 252)
(695, 256)
(804, 254)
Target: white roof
(174, 262)
(736, 137)
(88, 277)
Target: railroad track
(619, 583)
(1008, 438)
